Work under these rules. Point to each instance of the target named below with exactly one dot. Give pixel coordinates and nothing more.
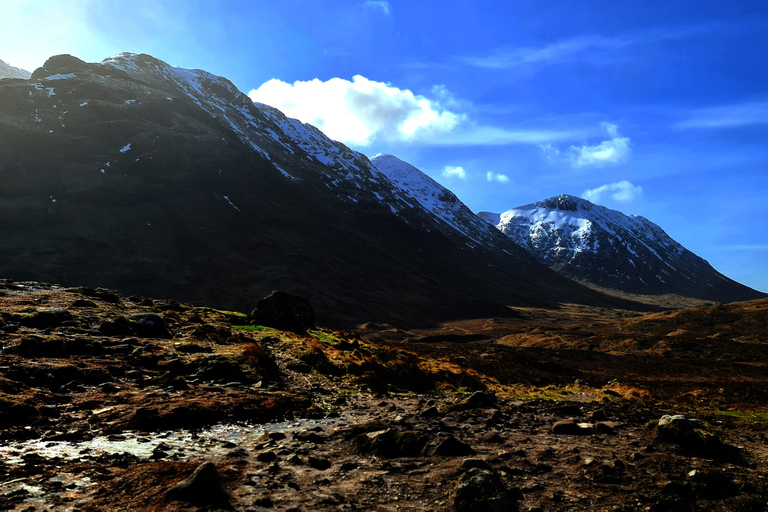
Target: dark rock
(598, 415)
(689, 434)
(482, 399)
(266, 457)
(605, 427)
(149, 325)
(308, 436)
(264, 502)
(481, 489)
(83, 303)
(202, 488)
(319, 463)
(569, 427)
(45, 317)
(276, 435)
(430, 412)
(566, 410)
(390, 443)
(452, 447)
(283, 311)
(493, 438)
(475, 463)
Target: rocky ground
(128, 403)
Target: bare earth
(107, 402)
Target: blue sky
(656, 108)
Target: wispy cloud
(748, 247)
(622, 191)
(378, 4)
(595, 48)
(479, 135)
(455, 172)
(494, 176)
(727, 116)
(360, 111)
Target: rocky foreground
(128, 403)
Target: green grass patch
(233, 316)
(324, 337)
(252, 328)
(749, 416)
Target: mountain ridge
(8, 71)
(160, 181)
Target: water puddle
(183, 444)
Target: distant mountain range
(8, 71)
(594, 244)
(162, 181)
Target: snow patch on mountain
(432, 196)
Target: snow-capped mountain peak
(595, 244)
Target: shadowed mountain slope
(164, 181)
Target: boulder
(283, 311)
(452, 447)
(481, 489)
(202, 488)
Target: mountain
(162, 181)
(8, 71)
(594, 244)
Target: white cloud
(359, 111)
(622, 191)
(727, 116)
(455, 172)
(612, 151)
(493, 176)
(378, 4)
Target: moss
(748, 416)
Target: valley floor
(108, 402)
